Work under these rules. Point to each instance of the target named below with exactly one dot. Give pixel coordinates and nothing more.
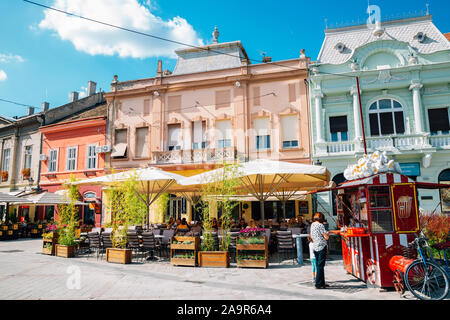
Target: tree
(217, 194)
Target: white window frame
(392, 111)
(68, 160)
(87, 156)
(6, 158)
(26, 156)
(50, 160)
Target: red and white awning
(382, 178)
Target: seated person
(251, 224)
(183, 225)
(176, 224)
(301, 224)
(197, 228)
(242, 224)
(292, 223)
(170, 223)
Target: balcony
(194, 156)
(395, 144)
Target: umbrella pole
(284, 209)
(148, 205)
(261, 203)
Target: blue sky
(44, 58)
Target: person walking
(319, 236)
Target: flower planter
(247, 249)
(183, 251)
(117, 255)
(65, 251)
(219, 259)
(46, 242)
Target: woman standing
(319, 236)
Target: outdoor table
(298, 241)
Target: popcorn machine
(378, 216)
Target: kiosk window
(381, 221)
(381, 210)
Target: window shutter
(174, 104)
(256, 96)
(289, 128)
(292, 94)
(223, 99)
(142, 149)
(146, 107)
(223, 130)
(174, 135)
(262, 126)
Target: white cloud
(8, 57)
(3, 75)
(97, 39)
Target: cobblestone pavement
(27, 274)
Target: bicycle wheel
(426, 282)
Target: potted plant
(217, 195)
(49, 240)
(68, 220)
(26, 173)
(252, 248)
(4, 175)
(125, 207)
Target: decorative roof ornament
(367, 166)
(215, 35)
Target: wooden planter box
(116, 255)
(263, 249)
(53, 241)
(65, 251)
(191, 248)
(214, 259)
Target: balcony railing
(384, 143)
(194, 156)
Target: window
(91, 162)
(53, 160)
(142, 145)
(262, 129)
(174, 137)
(198, 135)
(339, 128)
(223, 134)
(256, 96)
(71, 158)
(380, 209)
(439, 121)
(386, 117)
(289, 131)
(27, 159)
(120, 144)
(6, 156)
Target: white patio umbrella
(262, 178)
(8, 198)
(153, 182)
(49, 199)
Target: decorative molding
(385, 76)
(415, 85)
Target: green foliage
(126, 207)
(68, 215)
(161, 205)
(217, 193)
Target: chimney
(267, 59)
(30, 111)
(73, 96)
(91, 88)
(45, 106)
(159, 70)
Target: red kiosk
(378, 216)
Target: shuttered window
(262, 129)
(292, 93)
(223, 133)
(174, 137)
(146, 110)
(256, 96)
(142, 145)
(198, 135)
(71, 158)
(289, 131)
(120, 143)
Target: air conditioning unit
(103, 149)
(43, 157)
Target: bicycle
(425, 278)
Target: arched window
(386, 117)
(90, 195)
